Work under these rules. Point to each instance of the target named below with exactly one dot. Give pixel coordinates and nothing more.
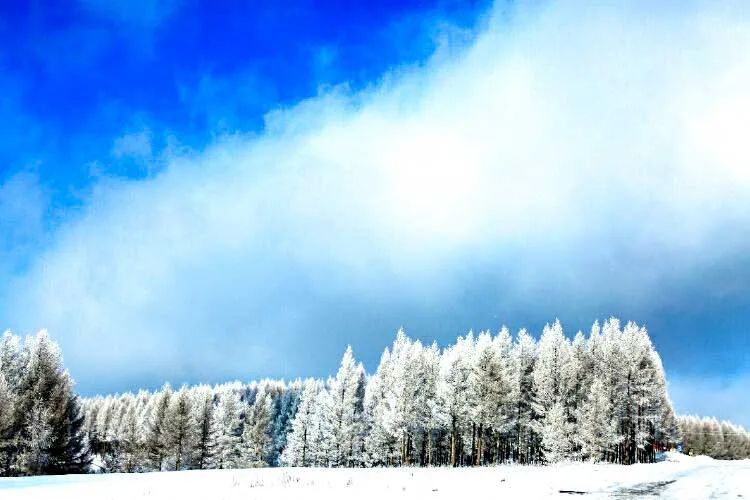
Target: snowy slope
(687, 478)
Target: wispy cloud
(571, 158)
(23, 205)
(133, 145)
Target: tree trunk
(453, 442)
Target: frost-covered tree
(522, 398)
(407, 407)
(229, 428)
(343, 413)
(432, 415)
(6, 423)
(286, 404)
(380, 441)
(579, 378)
(256, 436)
(132, 438)
(552, 367)
(400, 403)
(48, 413)
(490, 389)
(596, 431)
(297, 452)
(206, 429)
(553, 374)
(12, 359)
(555, 430)
(35, 457)
(454, 389)
(180, 429)
(106, 442)
(157, 442)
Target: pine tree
(596, 430)
(48, 413)
(12, 359)
(132, 438)
(611, 369)
(229, 429)
(106, 427)
(181, 429)
(399, 398)
(297, 452)
(578, 380)
(431, 411)
(321, 444)
(454, 391)
(522, 398)
(380, 441)
(256, 437)
(282, 425)
(35, 457)
(343, 413)
(552, 367)
(69, 450)
(490, 388)
(206, 439)
(157, 444)
(400, 404)
(556, 442)
(7, 412)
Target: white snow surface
(679, 477)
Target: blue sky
(200, 191)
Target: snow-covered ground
(679, 478)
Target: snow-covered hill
(679, 477)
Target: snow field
(678, 478)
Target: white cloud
(570, 146)
(133, 144)
(23, 205)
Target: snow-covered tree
(131, 436)
(552, 367)
(555, 430)
(490, 389)
(7, 414)
(256, 436)
(229, 428)
(35, 457)
(596, 431)
(454, 389)
(343, 413)
(207, 432)
(48, 413)
(432, 415)
(522, 398)
(297, 452)
(380, 441)
(286, 409)
(157, 435)
(180, 429)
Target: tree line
(486, 399)
(708, 436)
